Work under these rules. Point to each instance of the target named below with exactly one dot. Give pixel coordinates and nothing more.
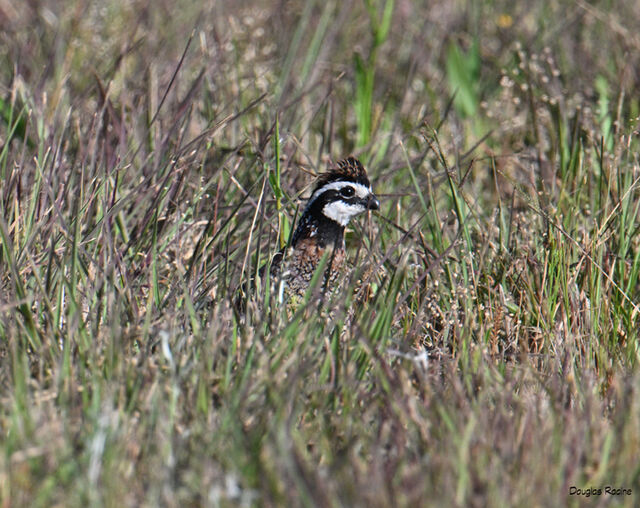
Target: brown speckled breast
(301, 264)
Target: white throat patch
(342, 212)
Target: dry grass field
(154, 154)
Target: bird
(340, 194)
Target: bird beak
(371, 202)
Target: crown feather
(349, 169)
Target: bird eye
(347, 192)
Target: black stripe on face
(339, 189)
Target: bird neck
(325, 231)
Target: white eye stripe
(362, 191)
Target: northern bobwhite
(340, 194)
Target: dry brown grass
(494, 360)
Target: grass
(155, 156)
